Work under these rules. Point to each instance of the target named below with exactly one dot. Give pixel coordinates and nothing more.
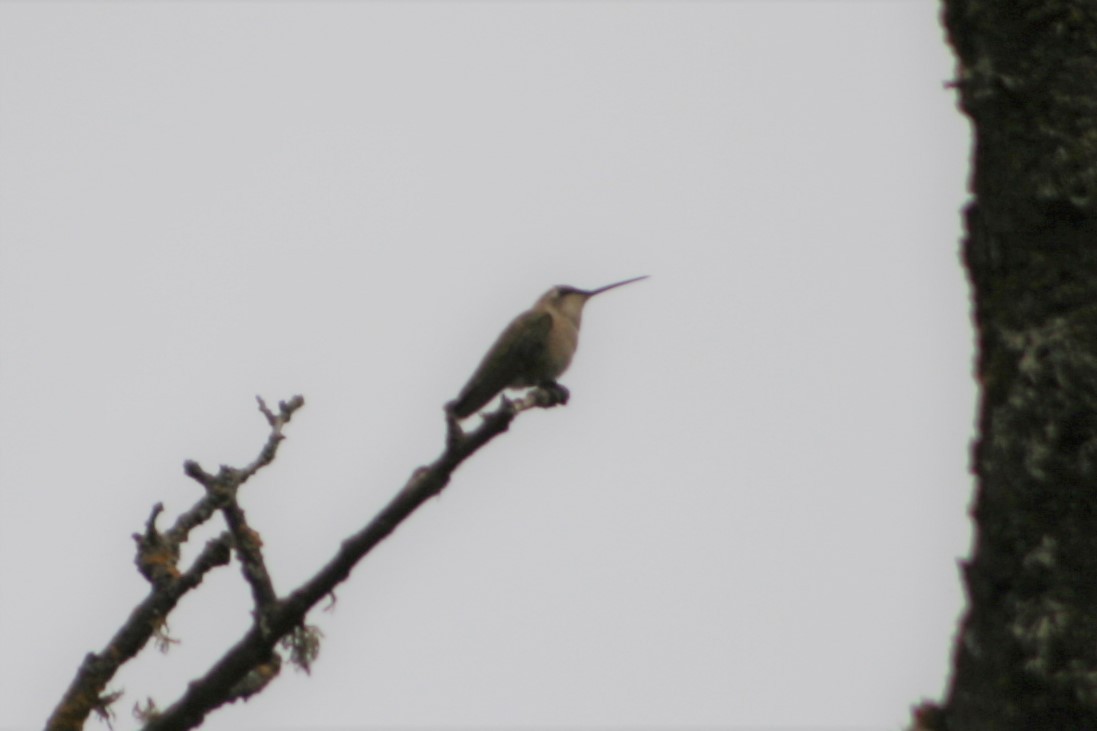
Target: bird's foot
(555, 394)
(562, 393)
(543, 396)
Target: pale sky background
(749, 515)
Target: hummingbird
(533, 350)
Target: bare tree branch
(86, 692)
(287, 615)
(247, 667)
(222, 489)
(157, 560)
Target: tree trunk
(1026, 652)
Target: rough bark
(1026, 652)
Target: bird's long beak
(593, 292)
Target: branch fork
(248, 666)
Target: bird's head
(569, 301)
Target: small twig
(157, 557)
(277, 422)
(248, 545)
(221, 491)
(229, 478)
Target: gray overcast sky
(751, 511)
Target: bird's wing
(522, 342)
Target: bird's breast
(551, 356)
(562, 342)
